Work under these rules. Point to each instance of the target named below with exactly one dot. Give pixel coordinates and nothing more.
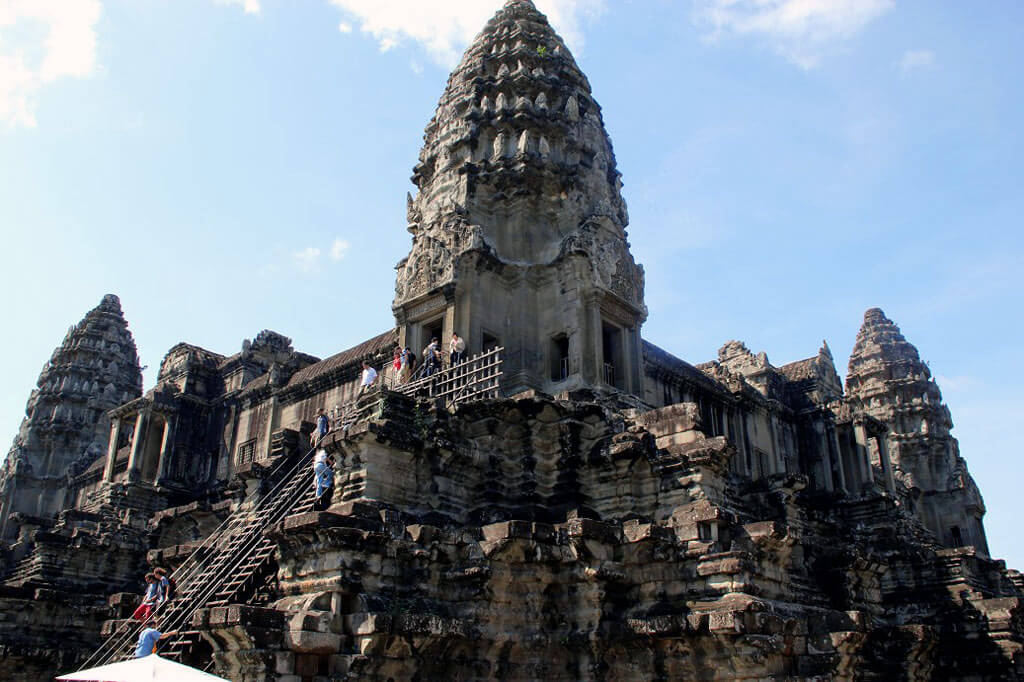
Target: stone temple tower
(519, 226)
(888, 380)
(65, 428)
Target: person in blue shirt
(322, 425)
(151, 600)
(165, 585)
(149, 638)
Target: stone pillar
(592, 355)
(825, 457)
(836, 453)
(754, 470)
(862, 453)
(138, 442)
(271, 420)
(636, 361)
(115, 437)
(447, 328)
(165, 451)
(883, 456)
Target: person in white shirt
(369, 376)
(455, 350)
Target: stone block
(422, 534)
(303, 642)
(284, 662)
(721, 622)
(719, 565)
(507, 529)
(590, 529)
(671, 419)
(367, 623)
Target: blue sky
(226, 167)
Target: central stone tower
(518, 227)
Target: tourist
(369, 376)
(164, 584)
(408, 365)
(431, 358)
(455, 350)
(150, 600)
(323, 478)
(396, 365)
(149, 638)
(323, 425)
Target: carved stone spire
(887, 380)
(95, 369)
(522, 65)
(519, 202)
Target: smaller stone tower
(518, 227)
(887, 380)
(65, 428)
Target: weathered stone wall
(888, 380)
(670, 568)
(44, 633)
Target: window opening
(958, 538)
(611, 346)
(560, 358)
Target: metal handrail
(221, 536)
(246, 524)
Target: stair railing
(202, 559)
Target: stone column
(271, 419)
(627, 360)
(862, 454)
(883, 456)
(447, 327)
(138, 442)
(115, 437)
(591, 353)
(635, 360)
(836, 457)
(165, 451)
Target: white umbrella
(144, 669)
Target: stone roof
(369, 348)
(680, 367)
(801, 369)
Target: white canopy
(144, 669)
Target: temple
(571, 502)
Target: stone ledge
(238, 615)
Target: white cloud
(444, 29)
(957, 384)
(307, 260)
(345, 27)
(248, 6)
(914, 60)
(339, 248)
(42, 41)
(311, 258)
(800, 30)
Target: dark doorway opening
(560, 358)
(489, 342)
(432, 330)
(611, 345)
